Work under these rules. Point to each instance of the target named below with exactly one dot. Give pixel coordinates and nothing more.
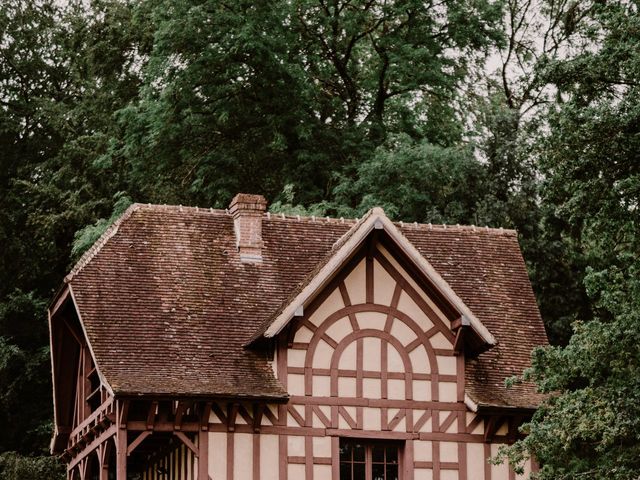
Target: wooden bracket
(180, 409)
(204, 418)
(458, 344)
(124, 413)
(187, 441)
(231, 416)
(258, 411)
(151, 416)
(491, 427)
(138, 440)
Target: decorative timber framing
(372, 348)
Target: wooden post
(203, 455)
(104, 461)
(121, 454)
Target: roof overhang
(344, 249)
(65, 299)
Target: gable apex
(343, 249)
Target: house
(236, 344)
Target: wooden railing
(104, 414)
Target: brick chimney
(247, 211)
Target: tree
(61, 72)
(261, 95)
(589, 426)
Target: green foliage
(257, 96)
(414, 181)
(87, 236)
(330, 108)
(17, 467)
(589, 426)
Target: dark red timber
(162, 367)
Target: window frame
(369, 444)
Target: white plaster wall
(374, 320)
(295, 446)
(322, 357)
(295, 384)
(498, 472)
(408, 306)
(322, 447)
(269, 449)
(218, 454)
(340, 329)
(475, 461)
(449, 475)
(332, 304)
(423, 474)
(448, 391)
(321, 472)
(408, 278)
(383, 285)
(295, 471)
(243, 455)
(355, 283)
(321, 386)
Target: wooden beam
(161, 426)
(123, 413)
(103, 452)
(61, 299)
(91, 447)
(203, 455)
(187, 441)
(75, 335)
(83, 469)
(177, 422)
(151, 415)
(491, 428)
(138, 440)
(231, 416)
(258, 411)
(121, 454)
(458, 344)
(220, 414)
(204, 419)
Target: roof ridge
(328, 219)
(400, 223)
(181, 208)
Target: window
(374, 460)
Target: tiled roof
(167, 305)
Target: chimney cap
(247, 201)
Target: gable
(374, 333)
(376, 228)
(78, 385)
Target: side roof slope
(168, 306)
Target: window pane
(358, 471)
(358, 452)
(345, 471)
(392, 472)
(345, 451)
(378, 453)
(392, 454)
(378, 471)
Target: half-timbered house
(196, 344)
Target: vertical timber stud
(203, 454)
(122, 408)
(121, 454)
(203, 444)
